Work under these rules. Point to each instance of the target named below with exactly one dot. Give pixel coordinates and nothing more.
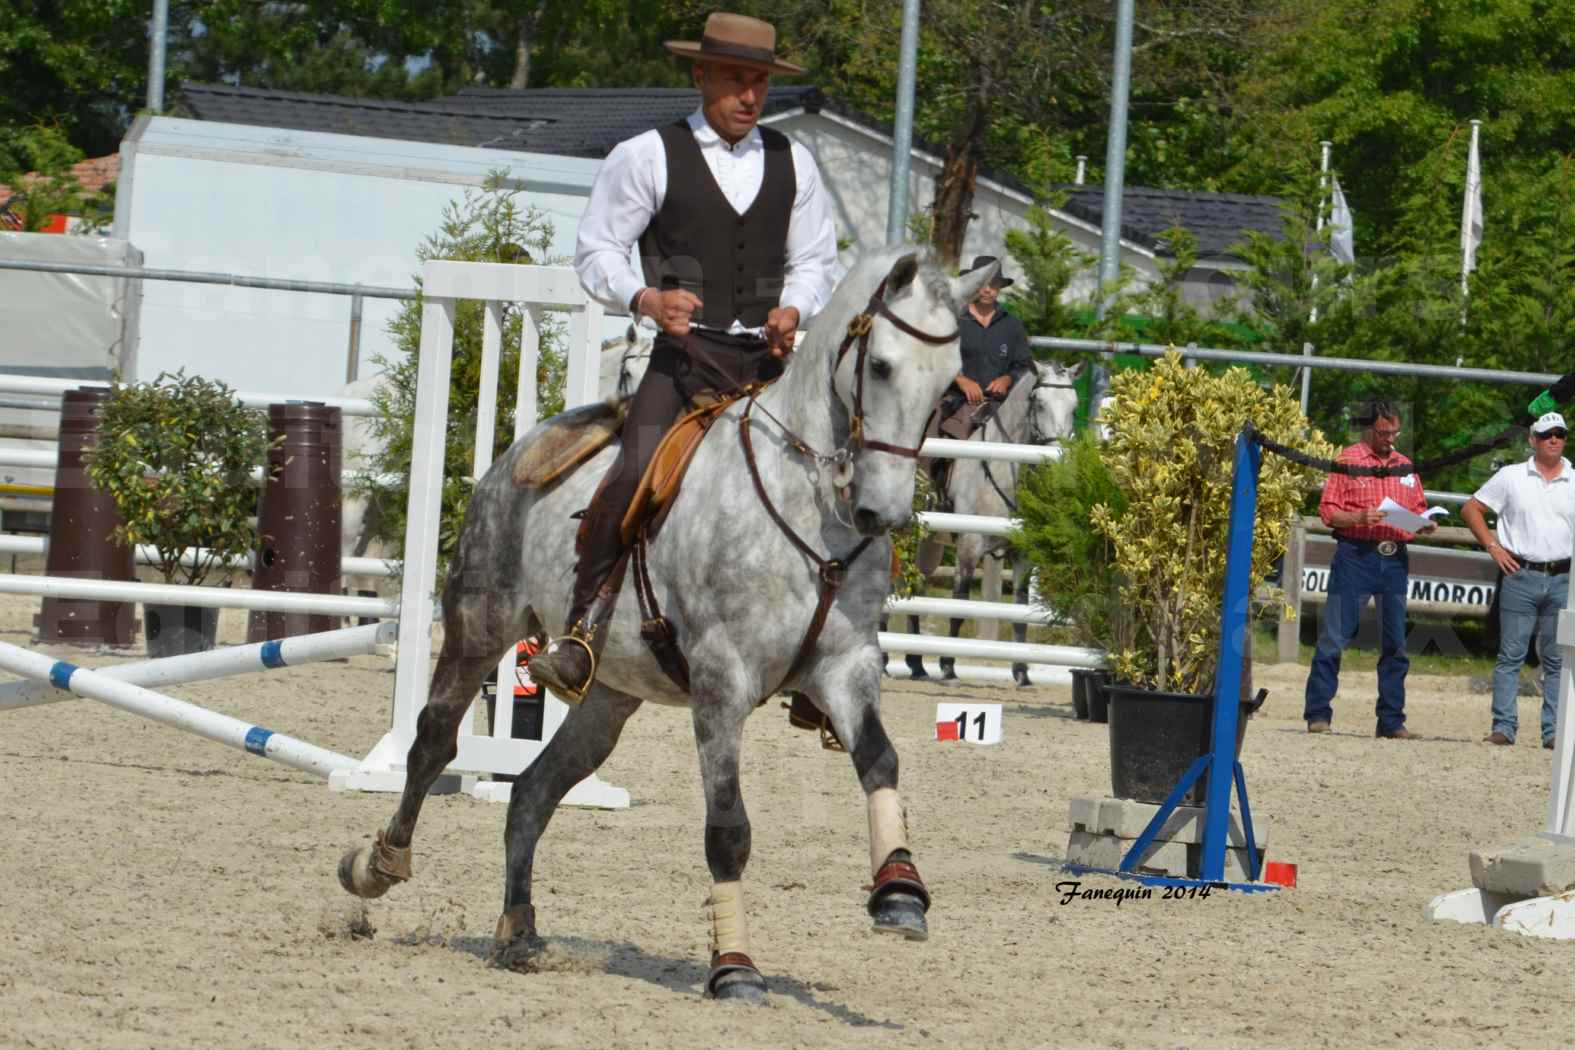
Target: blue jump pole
(1234, 642)
(1220, 763)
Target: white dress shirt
(632, 184)
(1534, 515)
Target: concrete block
(1534, 867)
(1179, 859)
(1126, 819)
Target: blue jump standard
(1227, 694)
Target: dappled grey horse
(754, 550)
(1038, 411)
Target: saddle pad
(659, 483)
(567, 441)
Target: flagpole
(1312, 316)
(1473, 195)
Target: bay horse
(1038, 411)
(755, 552)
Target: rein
(833, 571)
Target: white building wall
(262, 202)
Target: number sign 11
(975, 723)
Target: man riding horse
(995, 356)
(737, 250)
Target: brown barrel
(80, 522)
(298, 522)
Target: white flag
(1342, 238)
(1471, 213)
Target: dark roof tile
(589, 122)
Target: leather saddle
(659, 484)
(577, 435)
(567, 441)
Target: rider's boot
(567, 665)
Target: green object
(177, 457)
(1542, 405)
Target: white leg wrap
(888, 826)
(729, 931)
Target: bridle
(833, 571)
(624, 378)
(1036, 436)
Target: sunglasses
(1556, 432)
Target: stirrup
(568, 694)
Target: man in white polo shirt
(1535, 504)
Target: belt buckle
(1387, 548)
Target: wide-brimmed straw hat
(738, 39)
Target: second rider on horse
(737, 250)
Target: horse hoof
(370, 870)
(1020, 676)
(948, 669)
(356, 876)
(733, 976)
(900, 913)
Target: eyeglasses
(1556, 432)
(1384, 433)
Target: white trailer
(298, 205)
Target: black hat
(1000, 280)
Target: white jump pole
(926, 645)
(963, 609)
(175, 713)
(205, 597)
(1039, 674)
(220, 663)
(11, 543)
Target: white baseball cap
(1548, 422)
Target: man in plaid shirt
(1370, 561)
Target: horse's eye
(880, 368)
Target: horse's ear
(903, 273)
(1076, 370)
(966, 285)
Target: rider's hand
(781, 323)
(1505, 560)
(671, 310)
(1000, 386)
(970, 390)
(1369, 516)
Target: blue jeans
(1356, 574)
(1528, 601)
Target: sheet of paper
(1400, 518)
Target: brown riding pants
(679, 371)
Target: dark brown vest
(696, 241)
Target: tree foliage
(491, 225)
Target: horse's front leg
(719, 734)
(850, 694)
(1020, 577)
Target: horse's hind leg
(968, 552)
(479, 624)
(578, 748)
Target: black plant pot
(176, 630)
(1080, 693)
(1155, 737)
(1098, 699)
